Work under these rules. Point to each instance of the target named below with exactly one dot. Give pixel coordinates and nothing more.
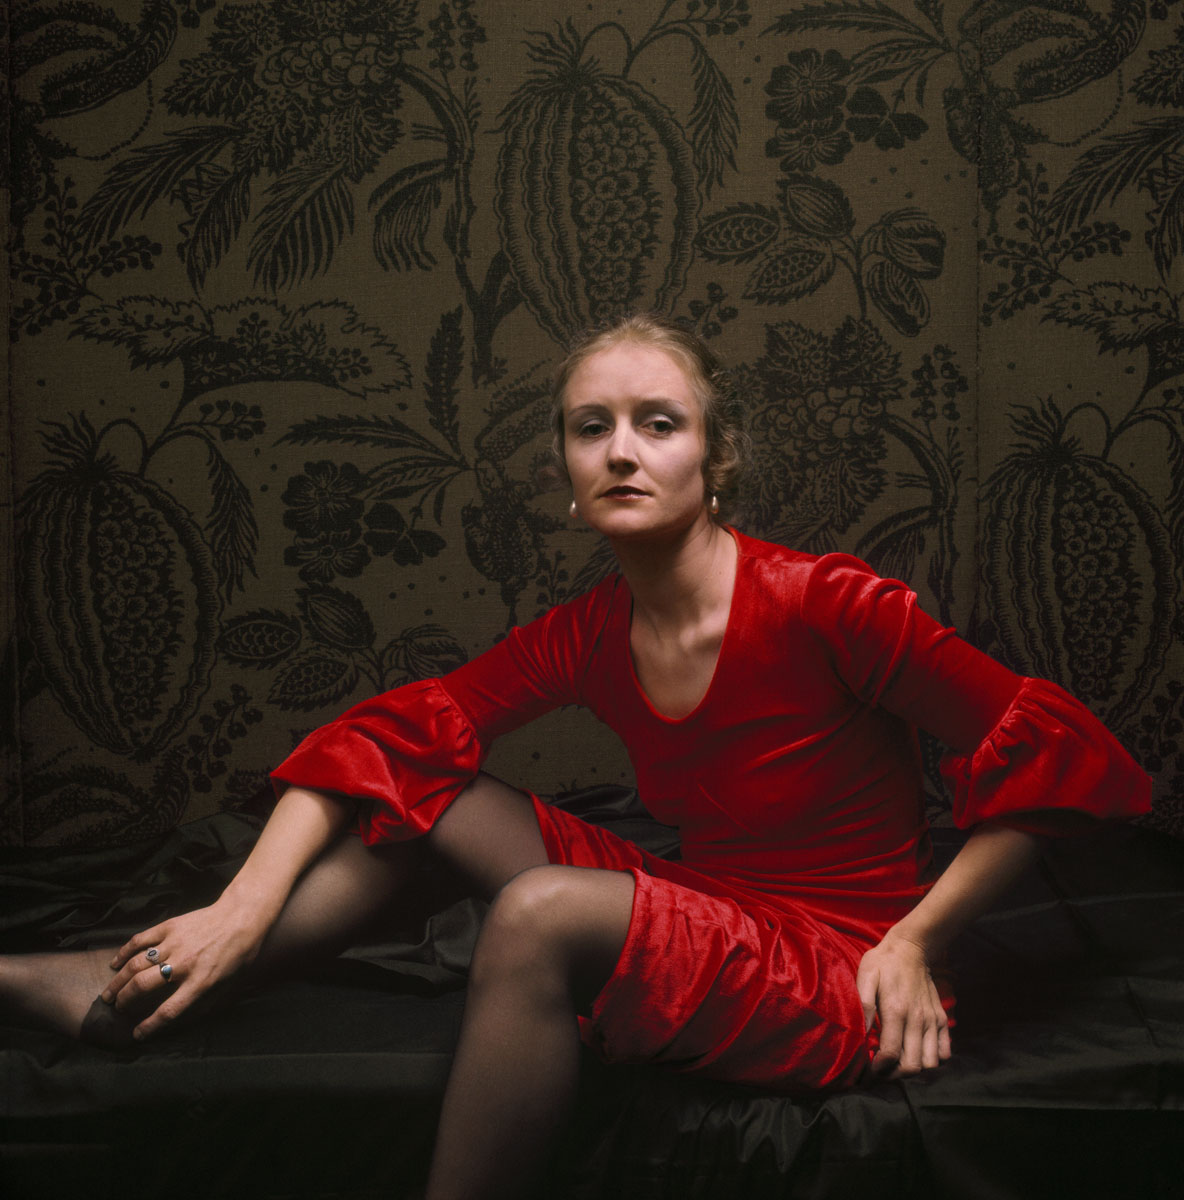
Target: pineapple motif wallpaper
(287, 280)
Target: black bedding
(1067, 1079)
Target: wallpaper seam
(977, 600)
(11, 808)
(11, 823)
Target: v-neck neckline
(719, 658)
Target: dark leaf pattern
(336, 618)
(405, 203)
(233, 532)
(1122, 316)
(259, 639)
(153, 330)
(1116, 162)
(320, 478)
(738, 232)
(218, 201)
(445, 360)
(816, 207)
(388, 432)
(312, 680)
(797, 266)
(898, 295)
(888, 59)
(869, 18)
(912, 241)
(389, 533)
(425, 650)
(148, 175)
(713, 126)
(1166, 235)
(307, 213)
(524, 413)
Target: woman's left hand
(894, 981)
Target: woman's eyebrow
(593, 406)
(585, 410)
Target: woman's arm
(894, 978)
(302, 824)
(1025, 759)
(210, 945)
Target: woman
(767, 700)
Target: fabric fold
(1049, 767)
(403, 756)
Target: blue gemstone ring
(152, 955)
(166, 972)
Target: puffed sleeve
(405, 754)
(1046, 764)
(1022, 751)
(402, 756)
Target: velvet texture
(795, 786)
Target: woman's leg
(489, 832)
(551, 941)
(345, 890)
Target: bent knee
(536, 906)
(567, 922)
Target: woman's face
(634, 443)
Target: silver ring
(166, 972)
(152, 955)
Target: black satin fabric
(1067, 1079)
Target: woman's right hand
(207, 947)
(204, 948)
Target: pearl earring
(713, 507)
(572, 511)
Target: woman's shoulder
(817, 588)
(588, 610)
(772, 560)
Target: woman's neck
(680, 582)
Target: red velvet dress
(795, 785)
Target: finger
(141, 941)
(887, 1064)
(929, 1056)
(137, 964)
(123, 977)
(911, 1043)
(142, 985)
(942, 1024)
(866, 985)
(891, 1033)
(165, 1013)
(945, 1047)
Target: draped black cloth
(1067, 1077)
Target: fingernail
(138, 1035)
(107, 998)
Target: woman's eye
(591, 429)
(662, 425)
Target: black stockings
(551, 940)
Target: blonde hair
(726, 440)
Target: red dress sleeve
(402, 756)
(1022, 751)
(405, 754)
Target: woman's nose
(621, 450)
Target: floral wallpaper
(287, 280)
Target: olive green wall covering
(288, 278)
